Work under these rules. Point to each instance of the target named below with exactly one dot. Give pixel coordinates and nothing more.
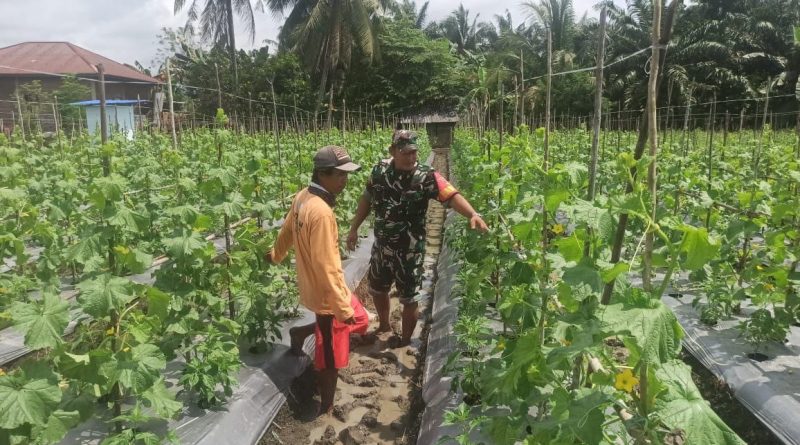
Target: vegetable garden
(143, 255)
(133, 281)
(114, 272)
(554, 362)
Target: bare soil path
(378, 396)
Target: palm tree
(556, 15)
(216, 23)
(465, 34)
(325, 33)
(408, 10)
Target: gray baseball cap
(336, 157)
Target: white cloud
(123, 31)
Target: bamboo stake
(21, 117)
(597, 118)
(278, 143)
(522, 85)
(652, 116)
(619, 236)
(171, 108)
(710, 153)
(545, 160)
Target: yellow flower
(558, 229)
(126, 349)
(2, 372)
(64, 384)
(625, 381)
(501, 345)
(110, 331)
(759, 267)
(769, 287)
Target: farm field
(158, 258)
(552, 360)
(618, 262)
(79, 261)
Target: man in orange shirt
(310, 227)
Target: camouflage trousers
(399, 266)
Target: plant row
(97, 214)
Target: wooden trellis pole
(652, 117)
(171, 109)
(597, 118)
(545, 160)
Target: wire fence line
(293, 115)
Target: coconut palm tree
(556, 15)
(466, 34)
(408, 10)
(326, 32)
(216, 22)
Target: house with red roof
(49, 62)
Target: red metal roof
(37, 58)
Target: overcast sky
(126, 30)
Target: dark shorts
(399, 267)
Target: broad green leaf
(610, 275)
(148, 438)
(652, 325)
(233, 206)
(520, 273)
(186, 213)
(699, 247)
(86, 248)
(101, 295)
(585, 213)
(43, 322)
(570, 248)
(73, 365)
(26, 401)
(682, 406)
(124, 218)
(184, 246)
(59, 423)
(555, 197)
(107, 189)
(202, 223)
(82, 401)
(583, 274)
(161, 400)
(133, 259)
(11, 196)
(627, 203)
(526, 231)
(126, 437)
(137, 369)
(575, 417)
(157, 303)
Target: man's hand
(350, 321)
(352, 239)
(477, 223)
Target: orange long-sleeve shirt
(310, 227)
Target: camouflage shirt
(400, 201)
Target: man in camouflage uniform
(399, 189)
